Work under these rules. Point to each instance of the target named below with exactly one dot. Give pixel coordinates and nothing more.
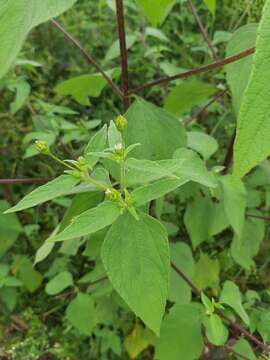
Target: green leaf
(231, 296)
(243, 347)
(135, 254)
(206, 272)
(181, 336)
(10, 228)
(235, 199)
(155, 10)
(211, 4)
(97, 143)
(138, 340)
(59, 283)
(9, 297)
(155, 190)
(90, 221)
(181, 256)
(81, 313)
(243, 249)
(31, 278)
(193, 168)
(197, 220)
(186, 95)
(253, 126)
(46, 248)
(22, 89)
(18, 18)
(114, 50)
(84, 86)
(53, 189)
(237, 73)
(216, 331)
(204, 144)
(114, 136)
(158, 132)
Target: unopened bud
(82, 164)
(119, 149)
(112, 194)
(42, 147)
(121, 123)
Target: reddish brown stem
(266, 218)
(123, 51)
(24, 181)
(229, 155)
(88, 57)
(202, 29)
(199, 70)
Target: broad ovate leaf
(18, 18)
(60, 186)
(252, 144)
(159, 132)
(135, 254)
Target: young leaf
(235, 199)
(216, 331)
(158, 132)
(181, 256)
(114, 49)
(231, 296)
(181, 336)
(243, 347)
(186, 95)
(253, 126)
(237, 73)
(18, 18)
(90, 221)
(53, 189)
(114, 136)
(155, 10)
(81, 313)
(59, 283)
(135, 254)
(202, 143)
(97, 143)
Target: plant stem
(88, 57)
(60, 161)
(123, 51)
(199, 70)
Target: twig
(202, 110)
(234, 325)
(88, 57)
(199, 70)
(229, 154)
(24, 181)
(202, 29)
(123, 51)
(266, 218)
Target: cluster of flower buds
(119, 150)
(42, 147)
(112, 194)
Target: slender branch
(199, 70)
(234, 325)
(87, 56)
(202, 29)
(24, 181)
(202, 110)
(229, 155)
(266, 218)
(123, 51)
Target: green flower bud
(112, 194)
(42, 147)
(121, 123)
(119, 149)
(82, 164)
